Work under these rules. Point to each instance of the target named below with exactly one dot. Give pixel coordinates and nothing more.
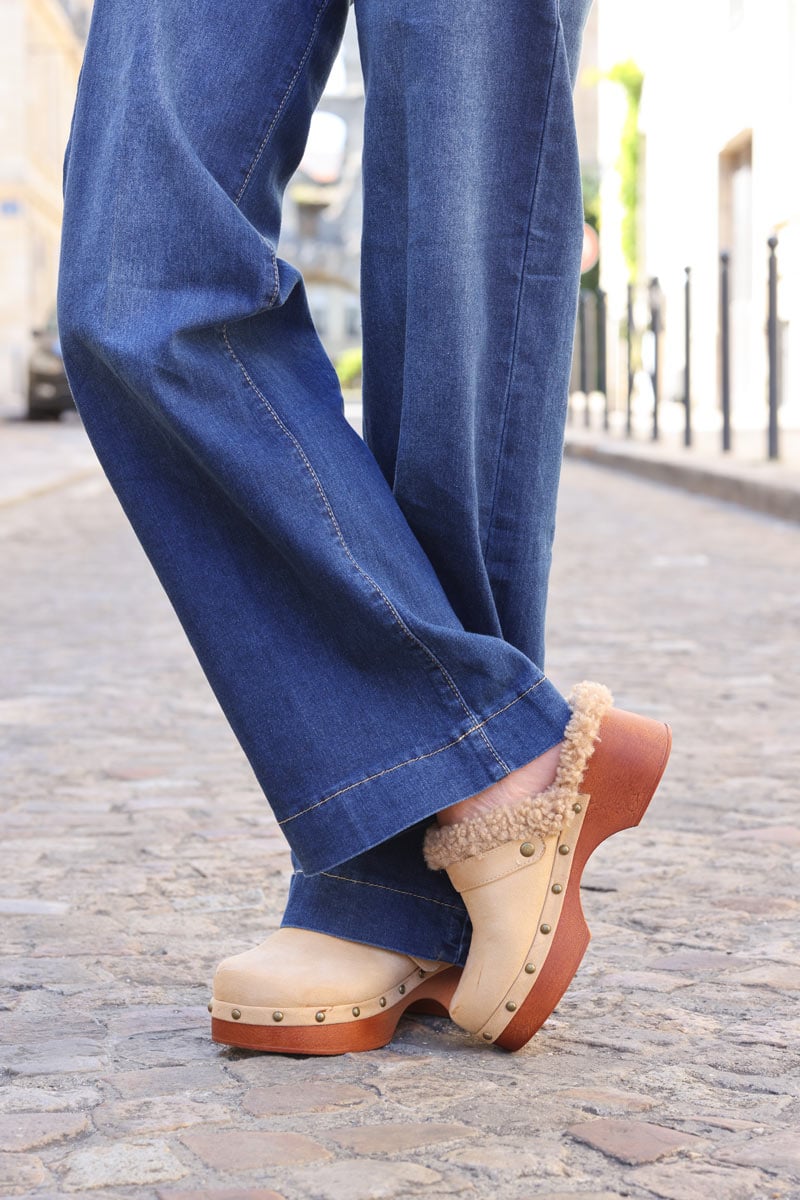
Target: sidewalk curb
(52, 485)
(773, 499)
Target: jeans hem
(388, 918)
(360, 816)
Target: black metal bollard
(654, 300)
(584, 355)
(602, 380)
(629, 342)
(687, 376)
(725, 347)
(772, 349)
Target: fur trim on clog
(542, 814)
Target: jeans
(369, 612)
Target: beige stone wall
(40, 56)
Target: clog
(518, 868)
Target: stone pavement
(137, 851)
(37, 456)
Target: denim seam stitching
(386, 888)
(418, 758)
(280, 107)
(245, 182)
(507, 404)
(337, 528)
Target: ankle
(525, 781)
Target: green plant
(629, 77)
(348, 366)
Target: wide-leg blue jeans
(369, 612)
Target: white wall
(708, 81)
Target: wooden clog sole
(431, 995)
(620, 780)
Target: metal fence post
(772, 347)
(654, 299)
(602, 380)
(687, 377)
(629, 342)
(584, 355)
(725, 347)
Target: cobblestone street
(137, 852)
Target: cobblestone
(136, 852)
(678, 1182)
(633, 1141)
(311, 1097)
(365, 1180)
(27, 1131)
(245, 1150)
(220, 1194)
(399, 1137)
(17, 1174)
(122, 1164)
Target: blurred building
(40, 57)
(719, 109)
(41, 48)
(321, 229)
(586, 101)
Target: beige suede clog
(301, 992)
(519, 868)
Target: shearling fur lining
(542, 814)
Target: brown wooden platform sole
(432, 996)
(621, 779)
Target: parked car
(48, 390)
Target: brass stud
(277, 1015)
(320, 1017)
(356, 1012)
(527, 849)
(421, 973)
(402, 989)
(210, 1007)
(557, 888)
(236, 1014)
(487, 1037)
(382, 1002)
(511, 1006)
(563, 849)
(529, 968)
(577, 807)
(544, 928)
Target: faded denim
(369, 612)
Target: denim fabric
(369, 612)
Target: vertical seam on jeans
(340, 537)
(263, 144)
(507, 404)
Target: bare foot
(534, 777)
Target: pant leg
(360, 699)
(473, 225)
(473, 228)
